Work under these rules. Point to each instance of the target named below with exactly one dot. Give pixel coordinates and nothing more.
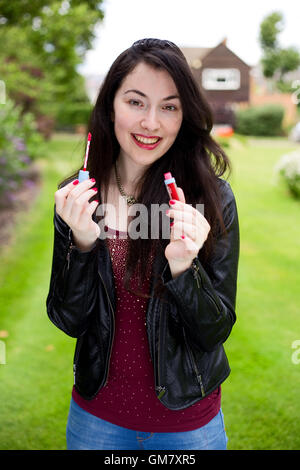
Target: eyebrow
(171, 97)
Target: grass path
(260, 398)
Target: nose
(150, 120)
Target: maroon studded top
(128, 399)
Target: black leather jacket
(185, 334)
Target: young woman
(150, 313)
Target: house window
(221, 79)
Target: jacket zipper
(197, 277)
(195, 367)
(113, 336)
(196, 274)
(71, 247)
(198, 375)
(159, 388)
(67, 264)
(74, 372)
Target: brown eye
(134, 103)
(170, 107)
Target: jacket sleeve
(73, 292)
(206, 298)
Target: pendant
(130, 200)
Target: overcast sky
(193, 23)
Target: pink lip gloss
(84, 174)
(171, 186)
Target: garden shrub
(260, 120)
(20, 144)
(72, 114)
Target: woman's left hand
(189, 231)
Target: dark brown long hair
(195, 159)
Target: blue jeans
(88, 432)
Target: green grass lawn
(261, 397)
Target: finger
(187, 216)
(87, 213)
(180, 206)
(80, 188)
(190, 245)
(188, 213)
(80, 203)
(179, 228)
(61, 194)
(77, 191)
(181, 195)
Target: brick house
(229, 83)
(223, 77)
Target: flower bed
(20, 144)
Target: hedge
(260, 120)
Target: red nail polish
(93, 180)
(172, 202)
(94, 189)
(75, 181)
(183, 237)
(171, 224)
(96, 200)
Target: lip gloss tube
(171, 186)
(84, 174)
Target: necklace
(129, 199)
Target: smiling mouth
(146, 140)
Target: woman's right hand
(73, 206)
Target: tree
(45, 41)
(23, 12)
(276, 61)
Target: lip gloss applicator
(171, 186)
(84, 174)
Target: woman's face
(147, 114)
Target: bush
(260, 120)
(289, 168)
(72, 114)
(19, 145)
